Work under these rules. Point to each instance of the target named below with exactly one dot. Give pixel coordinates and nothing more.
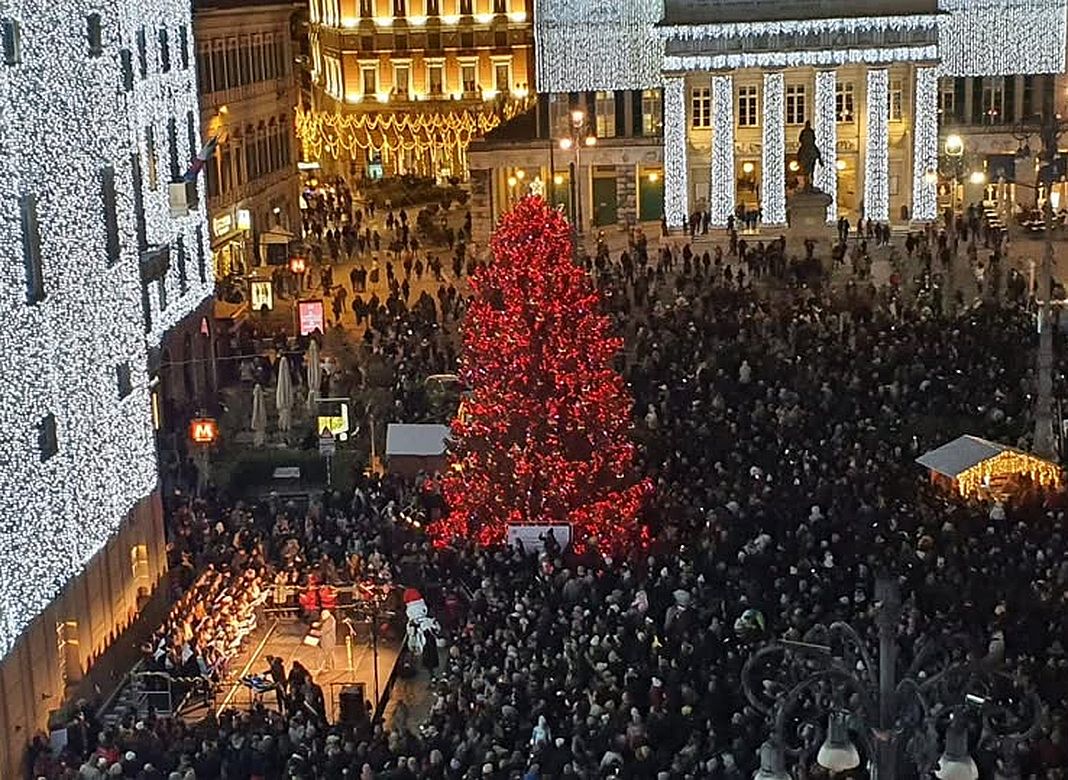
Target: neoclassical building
(880, 82)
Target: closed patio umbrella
(315, 374)
(284, 396)
(259, 416)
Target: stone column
(877, 154)
(676, 170)
(721, 184)
(773, 150)
(925, 146)
(825, 125)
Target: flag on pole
(202, 157)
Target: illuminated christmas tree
(545, 436)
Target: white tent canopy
(419, 440)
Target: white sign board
(532, 535)
(327, 443)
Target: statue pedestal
(808, 213)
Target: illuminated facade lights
(87, 132)
(773, 150)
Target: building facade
(104, 258)
(402, 86)
(882, 87)
(610, 175)
(248, 99)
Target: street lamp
(954, 149)
(832, 670)
(838, 753)
(579, 135)
(955, 763)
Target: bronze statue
(808, 154)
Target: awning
(276, 236)
(961, 454)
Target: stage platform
(354, 663)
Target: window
(123, 379)
(501, 78)
(701, 107)
(226, 168)
(468, 78)
(947, 103)
(401, 81)
(202, 265)
(47, 439)
(126, 58)
(747, 106)
(897, 99)
(150, 154)
(183, 274)
(257, 59)
(142, 53)
(434, 79)
(795, 104)
(433, 7)
(367, 8)
(218, 67)
(31, 249)
(172, 149)
(139, 202)
(232, 77)
(400, 8)
(95, 35)
(244, 58)
(111, 214)
(12, 44)
(465, 8)
(164, 51)
(843, 101)
(191, 134)
(500, 6)
(183, 46)
(605, 109)
(370, 81)
(651, 112)
(993, 100)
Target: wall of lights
(877, 152)
(582, 45)
(65, 117)
(721, 183)
(773, 150)
(1001, 37)
(925, 145)
(676, 175)
(816, 58)
(801, 27)
(826, 128)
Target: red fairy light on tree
(545, 436)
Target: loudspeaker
(351, 704)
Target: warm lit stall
(977, 468)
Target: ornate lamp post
(832, 672)
(954, 149)
(579, 135)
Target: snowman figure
(422, 628)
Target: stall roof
(961, 454)
(422, 440)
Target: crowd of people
(779, 416)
